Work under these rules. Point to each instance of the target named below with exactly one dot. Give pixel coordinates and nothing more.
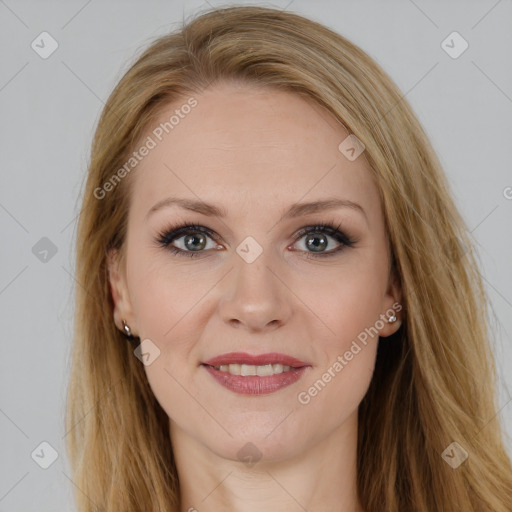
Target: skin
(256, 151)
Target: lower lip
(254, 385)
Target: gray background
(49, 108)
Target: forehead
(248, 147)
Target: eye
(316, 240)
(192, 240)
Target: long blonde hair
(435, 379)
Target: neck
(321, 477)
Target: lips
(256, 360)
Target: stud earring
(127, 329)
(134, 340)
(392, 319)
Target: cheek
(163, 293)
(350, 307)
(347, 306)
(334, 393)
(345, 300)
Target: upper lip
(261, 359)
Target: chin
(259, 442)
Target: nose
(255, 297)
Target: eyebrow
(295, 210)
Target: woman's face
(250, 281)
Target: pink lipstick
(255, 374)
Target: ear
(119, 290)
(391, 305)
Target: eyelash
(166, 237)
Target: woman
(267, 224)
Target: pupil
(311, 244)
(190, 238)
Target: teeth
(249, 369)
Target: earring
(127, 330)
(129, 336)
(392, 319)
